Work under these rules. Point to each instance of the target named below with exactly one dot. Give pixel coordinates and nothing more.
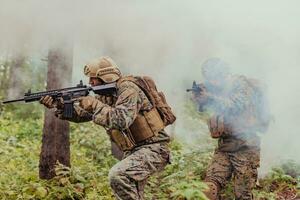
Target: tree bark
(4, 79)
(15, 76)
(55, 141)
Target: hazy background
(169, 40)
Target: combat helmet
(104, 68)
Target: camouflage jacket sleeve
(238, 100)
(79, 115)
(122, 114)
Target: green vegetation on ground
(20, 141)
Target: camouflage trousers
(240, 165)
(128, 177)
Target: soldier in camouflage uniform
(234, 122)
(117, 114)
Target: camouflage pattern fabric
(235, 103)
(79, 115)
(115, 112)
(130, 100)
(128, 177)
(241, 166)
(237, 155)
(235, 97)
(118, 112)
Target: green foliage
(291, 168)
(19, 166)
(193, 120)
(20, 142)
(32, 75)
(25, 110)
(188, 166)
(262, 195)
(91, 159)
(278, 175)
(4, 77)
(277, 184)
(183, 179)
(228, 191)
(29, 129)
(189, 190)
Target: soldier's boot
(212, 193)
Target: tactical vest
(261, 109)
(256, 116)
(148, 123)
(240, 130)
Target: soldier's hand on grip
(216, 126)
(47, 101)
(201, 96)
(204, 93)
(89, 103)
(106, 99)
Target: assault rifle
(197, 89)
(69, 95)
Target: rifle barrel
(11, 101)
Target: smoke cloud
(169, 40)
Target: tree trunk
(55, 142)
(4, 79)
(15, 75)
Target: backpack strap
(142, 84)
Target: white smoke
(169, 40)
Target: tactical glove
(105, 99)
(48, 102)
(89, 103)
(216, 126)
(202, 97)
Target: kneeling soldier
(134, 118)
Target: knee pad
(212, 191)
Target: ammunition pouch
(123, 140)
(216, 126)
(145, 126)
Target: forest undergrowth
(91, 159)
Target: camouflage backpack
(262, 108)
(156, 98)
